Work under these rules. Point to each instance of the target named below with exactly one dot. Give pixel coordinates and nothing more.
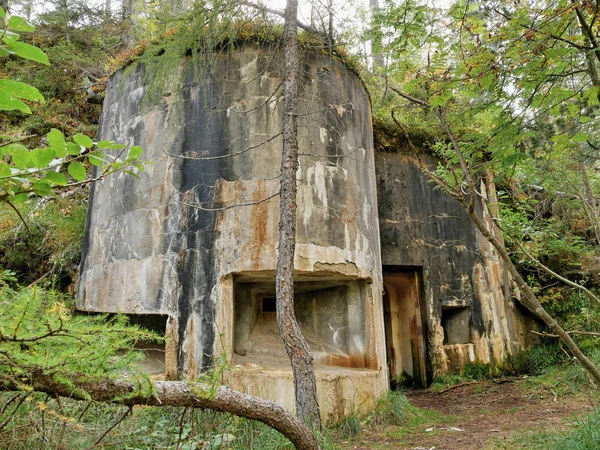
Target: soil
(475, 416)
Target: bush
(392, 409)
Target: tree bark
(376, 42)
(127, 39)
(307, 406)
(176, 393)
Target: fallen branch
(175, 393)
(466, 383)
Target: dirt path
(471, 417)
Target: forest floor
(485, 415)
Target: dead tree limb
(455, 386)
(556, 275)
(175, 393)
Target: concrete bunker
(177, 242)
(385, 265)
(330, 311)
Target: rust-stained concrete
(196, 240)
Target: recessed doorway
(403, 311)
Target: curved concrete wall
(204, 216)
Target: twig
(4, 144)
(466, 383)
(19, 214)
(181, 428)
(85, 409)
(21, 400)
(7, 404)
(39, 279)
(555, 275)
(582, 333)
(224, 208)
(129, 409)
(210, 158)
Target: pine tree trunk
(307, 406)
(127, 39)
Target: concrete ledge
(341, 391)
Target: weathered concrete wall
(471, 315)
(150, 249)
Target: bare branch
(210, 158)
(418, 101)
(224, 208)
(19, 214)
(575, 332)
(129, 409)
(278, 12)
(556, 275)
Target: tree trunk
(176, 393)
(376, 42)
(127, 39)
(307, 406)
(529, 300)
(467, 200)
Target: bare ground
(473, 417)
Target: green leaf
(20, 157)
(57, 178)
(83, 140)
(134, 152)
(579, 137)
(19, 198)
(10, 37)
(104, 144)
(73, 149)
(42, 188)
(9, 103)
(3, 52)
(77, 171)
(20, 90)
(27, 51)
(133, 174)
(57, 142)
(96, 159)
(19, 24)
(41, 157)
(2, 13)
(4, 170)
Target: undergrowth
(581, 434)
(49, 245)
(43, 423)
